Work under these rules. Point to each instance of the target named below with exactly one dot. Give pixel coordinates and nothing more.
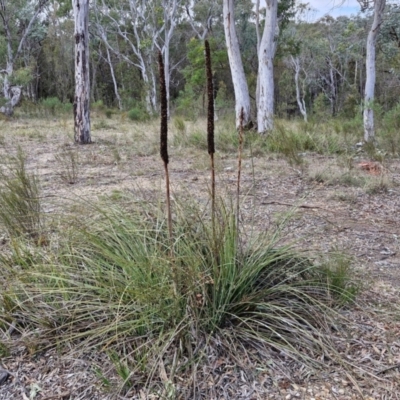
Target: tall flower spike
(210, 92)
(164, 112)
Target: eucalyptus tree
(277, 14)
(56, 59)
(82, 78)
(172, 11)
(369, 94)
(133, 30)
(201, 14)
(17, 18)
(266, 52)
(242, 96)
(300, 88)
(388, 81)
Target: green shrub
(98, 105)
(137, 114)
(52, 105)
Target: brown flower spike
(164, 112)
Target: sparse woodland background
(328, 55)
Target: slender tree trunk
(116, 92)
(300, 99)
(369, 128)
(258, 48)
(242, 97)
(82, 79)
(332, 86)
(265, 106)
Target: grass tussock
(20, 209)
(112, 283)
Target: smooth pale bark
(299, 98)
(258, 34)
(116, 92)
(265, 106)
(242, 97)
(142, 40)
(82, 79)
(369, 128)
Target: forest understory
(345, 204)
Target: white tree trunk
(82, 80)
(242, 97)
(369, 128)
(116, 92)
(12, 94)
(299, 98)
(265, 106)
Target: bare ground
(337, 204)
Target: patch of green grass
(113, 281)
(138, 114)
(20, 207)
(102, 124)
(337, 175)
(377, 184)
(198, 139)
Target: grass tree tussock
(111, 287)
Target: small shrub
(137, 114)
(98, 106)
(321, 106)
(52, 105)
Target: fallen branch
(292, 205)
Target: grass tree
(82, 79)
